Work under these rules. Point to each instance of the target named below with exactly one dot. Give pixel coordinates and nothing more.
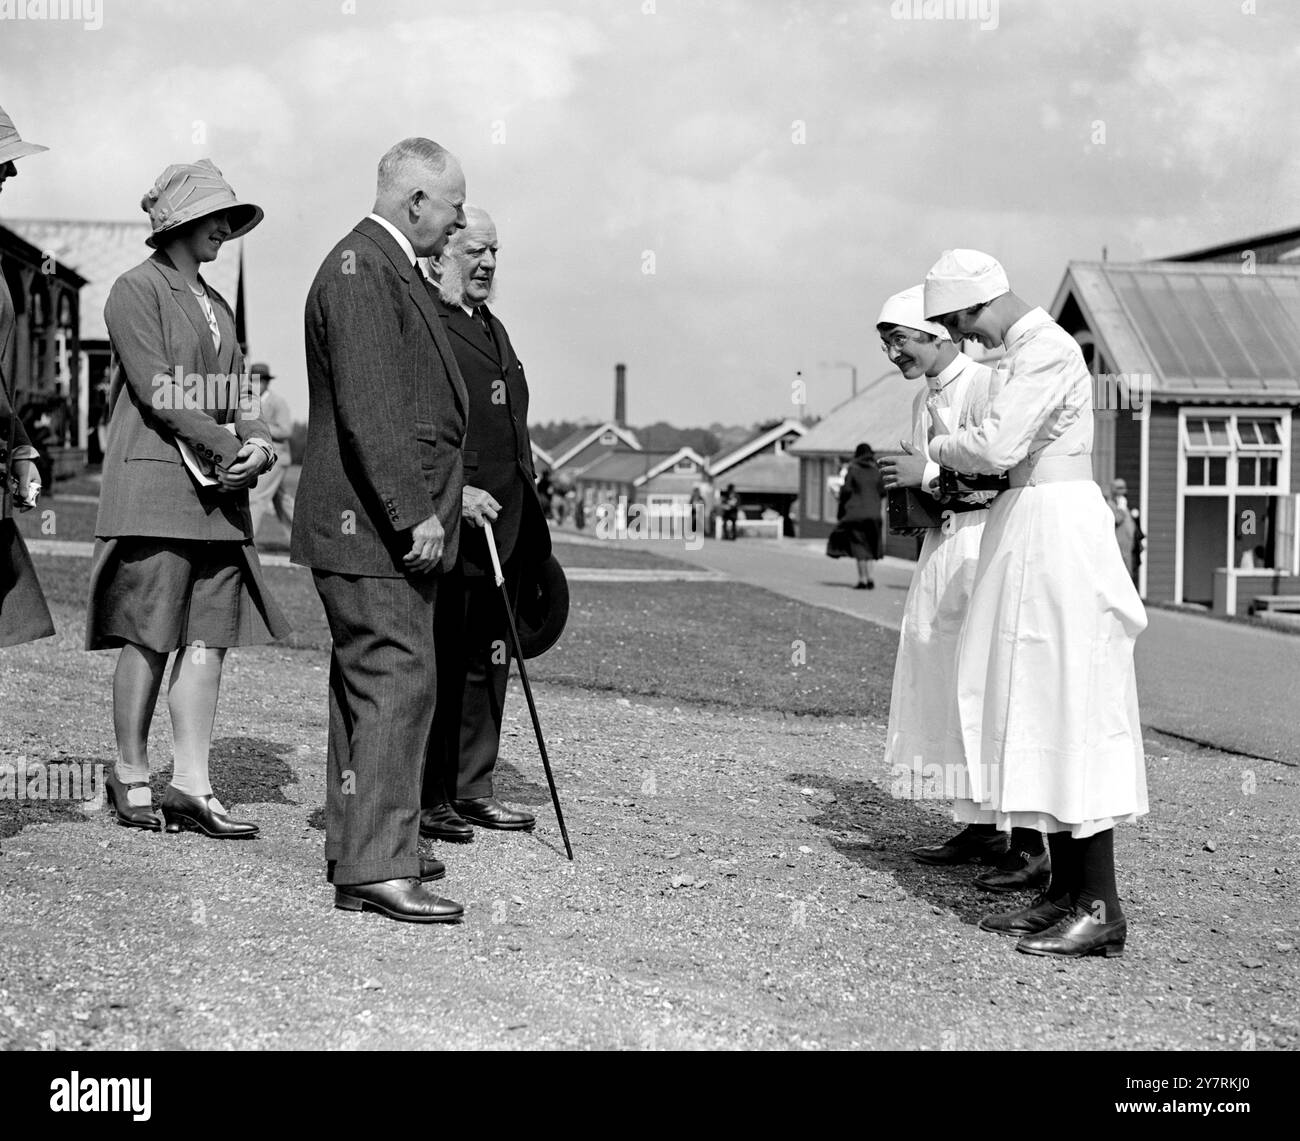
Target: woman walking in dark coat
(859, 529)
(174, 567)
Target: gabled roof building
(1196, 366)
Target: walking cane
(523, 676)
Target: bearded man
(472, 634)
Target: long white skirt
(924, 749)
(1046, 691)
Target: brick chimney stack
(620, 395)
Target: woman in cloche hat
(175, 570)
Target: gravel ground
(741, 882)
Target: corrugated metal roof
(102, 251)
(880, 415)
(1198, 329)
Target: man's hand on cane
(477, 505)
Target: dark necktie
(482, 314)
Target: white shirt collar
(1031, 320)
(398, 236)
(948, 374)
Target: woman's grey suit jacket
(168, 382)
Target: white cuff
(930, 478)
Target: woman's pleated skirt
(167, 593)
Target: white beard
(451, 284)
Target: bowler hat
(261, 370)
(543, 607)
(11, 142)
(185, 192)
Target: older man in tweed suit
(378, 515)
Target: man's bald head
(467, 268)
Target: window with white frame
(1259, 454)
(1207, 446)
(1244, 456)
(1227, 450)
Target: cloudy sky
(781, 165)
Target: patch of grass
(712, 643)
(617, 554)
(722, 644)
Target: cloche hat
(12, 145)
(185, 192)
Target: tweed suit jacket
(498, 450)
(387, 415)
(169, 383)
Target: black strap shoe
(1076, 935)
(441, 823)
(983, 847)
(406, 900)
(488, 812)
(183, 812)
(1017, 871)
(129, 815)
(1038, 916)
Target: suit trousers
(382, 687)
(473, 670)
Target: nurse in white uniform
(1046, 691)
(924, 750)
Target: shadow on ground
(847, 584)
(250, 770)
(16, 814)
(245, 770)
(877, 830)
(515, 787)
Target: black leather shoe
(442, 823)
(1017, 871)
(129, 815)
(405, 899)
(1038, 916)
(964, 847)
(196, 814)
(1076, 935)
(488, 812)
